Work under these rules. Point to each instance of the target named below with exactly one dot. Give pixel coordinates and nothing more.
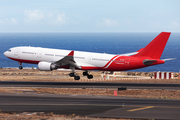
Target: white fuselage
(35, 55)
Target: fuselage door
(39, 53)
(16, 53)
(127, 60)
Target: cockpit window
(9, 50)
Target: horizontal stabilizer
(169, 59)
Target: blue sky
(89, 15)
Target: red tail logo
(155, 48)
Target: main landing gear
(76, 77)
(87, 74)
(20, 67)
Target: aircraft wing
(68, 60)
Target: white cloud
(175, 24)
(33, 15)
(14, 21)
(9, 21)
(55, 18)
(1, 22)
(45, 17)
(60, 19)
(108, 23)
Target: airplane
(52, 59)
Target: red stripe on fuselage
(89, 68)
(66, 67)
(110, 62)
(25, 61)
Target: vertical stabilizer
(155, 48)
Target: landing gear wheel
(20, 67)
(90, 76)
(72, 75)
(85, 73)
(76, 77)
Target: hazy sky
(89, 15)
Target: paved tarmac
(93, 106)
(89, 85)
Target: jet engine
(46, 66)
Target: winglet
(71, 53)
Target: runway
(89, 85)
(93, 106)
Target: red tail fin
(155, 48)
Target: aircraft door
(127, 60)
(90, 59)
(39, 54)
(16, 53)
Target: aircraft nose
(5, 53)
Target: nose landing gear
(20, 67)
